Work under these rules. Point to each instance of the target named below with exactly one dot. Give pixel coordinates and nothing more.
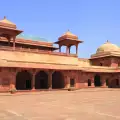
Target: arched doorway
(41, 80)
(89, 82)
(97, 81)
(72, 83)
(107, 82)
(23, 80)
(57, 80)
(114, 83)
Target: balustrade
(35, 51)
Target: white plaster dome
(108, 47)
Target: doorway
(57, 80)
(23, 80)
(41, 80)
(107, 82)
(28, 84)
(72, 82)
(97, 81)
(89, 82)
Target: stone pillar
(50, 79)
(67, 50)
(9, 39)
(12, 85)
(76, 49)
(60, 48)
(92, 82)
(75, 82)
(33, 81)
(103, 82)
(12, 81)
(67, 79)
(14, 42)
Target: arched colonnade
(41, 80)
(101, 81)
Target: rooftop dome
(108, 47)
(6, 23)
(68, 35)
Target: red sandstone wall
(107, 61)
(37, 58)
(8, 78)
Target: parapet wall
(37, 57)
(84, 62)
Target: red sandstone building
(34, 65)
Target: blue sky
(94, 21)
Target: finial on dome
(107, 41)
(68, 30)
(4, 17)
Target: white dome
(108, 47)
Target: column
(12, 85)
(50, 79)
(92, 82)
(59, 48)
(67, 79)
(33, 81)
(76, 49)
(103, 81)
(14, 42)
(67, 50)
(75, 83)
(12, 81)
(9, 39)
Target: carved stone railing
(35, 51)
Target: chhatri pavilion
(27, 64)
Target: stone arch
(23, 80)
(97, 80)
(57, 80)
(73, 49)
(114, 83)
(41, 80)
(63, 49)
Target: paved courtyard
(87, 104)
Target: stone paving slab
(49, 92)
(62, 105)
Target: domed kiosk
(68, 39)
(68, 35)
(9, 30)
(108, 47)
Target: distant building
(28, 64)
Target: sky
(93, 21)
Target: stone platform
(84, 104)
